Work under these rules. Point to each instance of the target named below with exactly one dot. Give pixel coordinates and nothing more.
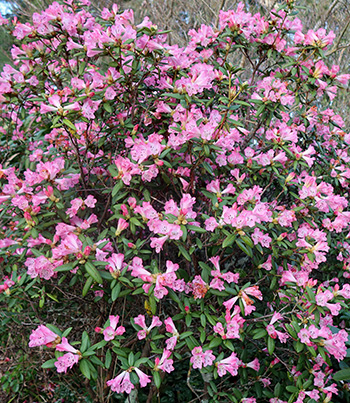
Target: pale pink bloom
(253, 365)
(141, 321)
(43, 336)
(66, 361)
(89, 108)
(247, 302)
(230, 364)
(170, 328)
(164, 363)
(122, 225)
(144, 379)
(111, 331)
(65, 346)
(121, 383)
(158, 243)
(40, 266)
(335, 345)
(115, 264)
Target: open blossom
(247, 302)
(201, 358)
(121, 383)
(219, 278)
(230, 364)
(43, 336)
(112, 330)
(143, 378)
(322, 299)
(66, 361)
(5, 287)
(141, 321)
(40, 267)
(115, 264)
(234, 322)
(164, 363)
(161, 280)
(170, 328)
(273, 332)
(335, 344)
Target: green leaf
(66, 332)
(49, 363)
(107, 107)
(246, 249)
(292, 388)
(85, 343)
(299, 347)
(66, 267)
(93, 272)
(184, 252)
(108, 359)
(184, 233)
(85, 368)
(69, 124)
(185, 334)
(259, 333)
(116, 292)
(196, 229)
(270, 345)
(342, 375)
(52, 297)
(153, 304)
(311, 295)
(229, 240)
(87, 286)
(117, 186)
(157, 379)
(215, 342)
(131, 359)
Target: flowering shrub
(199, 210)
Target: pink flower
(170, 328)
(40, 266)
(111, 331)
(116, 264)
(122, 225)
(65, 346)
(121, 383)
(43, 336)
(201, 359)
(140, 321)
(66, 361)
(230, 364)
(144, 379)
(164, 363)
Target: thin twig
(321, 21)
(218, 13)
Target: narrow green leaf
(93, 272)
(85, 368)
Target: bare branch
(321, 21)
(218, 13)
